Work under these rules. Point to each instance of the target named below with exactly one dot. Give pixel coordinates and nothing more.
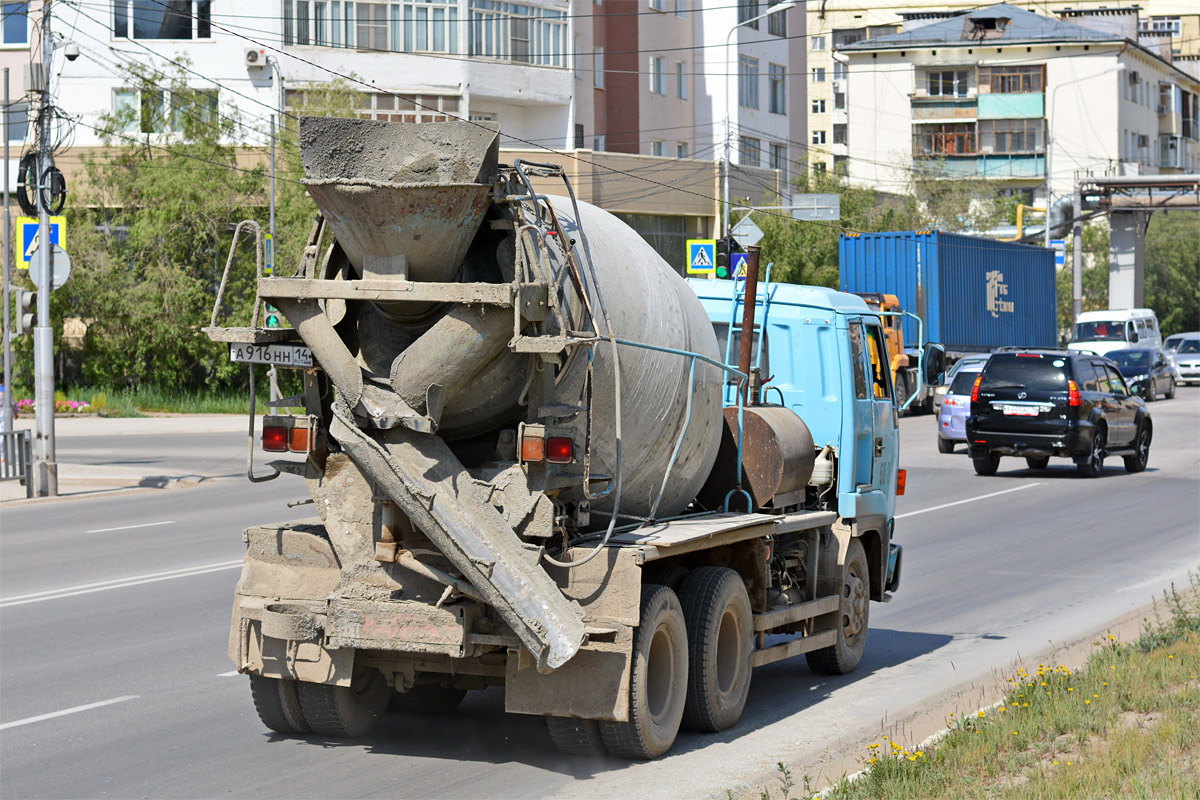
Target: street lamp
(786, 5)
(1120, 67)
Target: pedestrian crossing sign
(701, 256)
(27, 229)
(737, 265)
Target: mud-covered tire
(1141, 450)
(1040, 462)
(1092, 464)
(345, 711)
(853, 614)
(720, 634)
(576, 737)
(658, 680)
(987, 465)
(671, 576)
(945, 445)
(426, 699)
(277, 704)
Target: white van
(1103, 331)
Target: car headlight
(1140, 378)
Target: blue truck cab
(824, 356)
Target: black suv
(1043, 403)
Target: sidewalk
(84, 479)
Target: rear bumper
(1064, 443)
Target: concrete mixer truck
(536, 462)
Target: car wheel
(987, 465)
(945, 445)
(1093, 463)
(1170, 394)
(1038, 463)
(1141, 451)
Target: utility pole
(273, 376)
(7, 411)
(45, 467)
(1077, 256)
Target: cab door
(876, 421)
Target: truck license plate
(1021, 411)
(278, 355)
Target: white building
(999, 92)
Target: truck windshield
(1037, 373)
(1107, 330)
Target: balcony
(1026, 105)
(926, 108)
(1169, 122)
(1004, 166)
(1171, 150)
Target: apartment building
(832, 26)
(1029, 102)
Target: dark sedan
(1147, 371)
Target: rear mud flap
(420, 474)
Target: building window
(777, 22)
(598, 141)
(748, 10)
(749, 151)
(681, 80)
(598, 68)
(16, 23)
(1011, 135)
(656, 148)
(577, 61)
(680, 7)
(580, 138)
(777, 78)
(1161, 26)
(1012, 80)
(159, 111)
(947, 83)
(667, 234)
(747, 82)
(818, 74)
(658, 5)
(658, 78)
(818, 137)
(149, 19)
(948, 139)
(818, 106)
(516, 32)
(818, 43)
(389, 107)
(839, 101)
(779, 157)
(681, 149)
(840, 70)
(407, 26)
(839, 133)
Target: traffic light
(273, 318)
(723, 251)
(26, 311)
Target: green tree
(1095, 275)
(1173, 270)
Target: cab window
(1087, 376)
(880, 366)
(1116, 382)
(857, 359)
(1102, 384)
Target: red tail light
(275, 438)
(560, 450)
(1073, 396)
(975, 389)
(901, 481)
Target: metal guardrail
(16, 452)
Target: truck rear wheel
(576, 737)
(854, 588)
(345, 711)
(658, 680)
(720, 634)
(277, 704)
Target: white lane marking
(969, 500)
(66, 711)
(229, 674)
(131, 527)
(119, 583)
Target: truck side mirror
(933, 361)
(1133, 337)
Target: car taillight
(901, 481)
(1073, 396)
(275, 438)
(975, 389)
(560, 450)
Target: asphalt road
(114, 617)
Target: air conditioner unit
(255, 57)
(1161, 109)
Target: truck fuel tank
(777, 459)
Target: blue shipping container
(972, 293)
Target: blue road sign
(737, 264)
(28, 227)
(701, 256)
